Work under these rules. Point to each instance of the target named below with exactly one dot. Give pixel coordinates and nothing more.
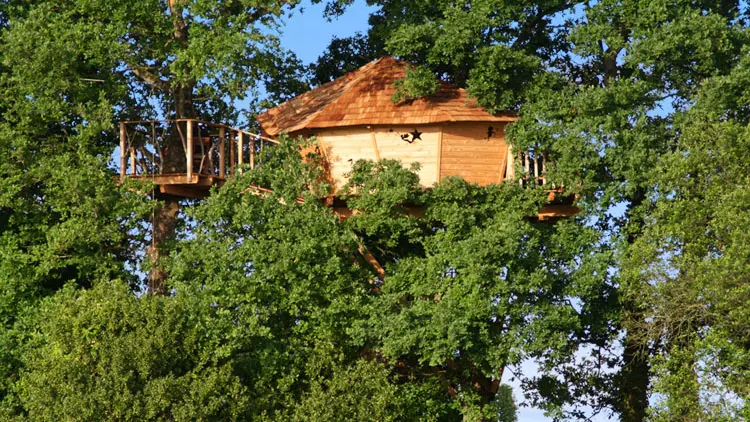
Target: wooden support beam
(222, 164)
(132, 161)
(375, 146)
(189, 152)
(503, 170)
(370, 259)
(240, 135)
(525, 163)
(510, 164)
(438, 170)
(557, 211)
(252, 152)
(184, 191)
(123, 156)
(232, 146)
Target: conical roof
(363, 97)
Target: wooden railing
(534, 165)
(186, 146)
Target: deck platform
(185, 157)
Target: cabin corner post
(123, 154)
(189, 150)
(222, 152)
(510, 163)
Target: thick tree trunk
(164, 222)
(635, 372)
(165, 217)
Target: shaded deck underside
(179, 184)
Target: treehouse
(354, 118)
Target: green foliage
(418, 82)
(274, 311)
(105, 354)
(144, 57)
(500, 77)
(637, 103)
(367, 392)
(694, 253)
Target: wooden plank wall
(468, 152)
(424, 150)
(342, 147)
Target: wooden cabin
(447, 133)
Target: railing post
(252, 152)
(222, 132)
(240, 135)
(527, 163)
(232, 158)
(189, 152)
(123, 156)
(133, 170)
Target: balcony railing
(533, 165)
(186, 147)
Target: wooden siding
(423, 151)
(469, 153)
(342, 147)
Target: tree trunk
(164, 222)
(635, 371)
(165, 217)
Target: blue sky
(307, 32)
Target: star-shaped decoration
(416, 135)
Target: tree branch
(144, 74)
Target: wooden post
(525, 157)
(232, 158)
(132, 161)
(240, 135)
(222, 132)
(510, 170)
(438, 170)
(504, 166)
(252, 152)
(189, 152)
(123, 157)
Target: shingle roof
(363, 97)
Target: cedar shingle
(363, 97)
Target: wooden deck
(185, 157)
